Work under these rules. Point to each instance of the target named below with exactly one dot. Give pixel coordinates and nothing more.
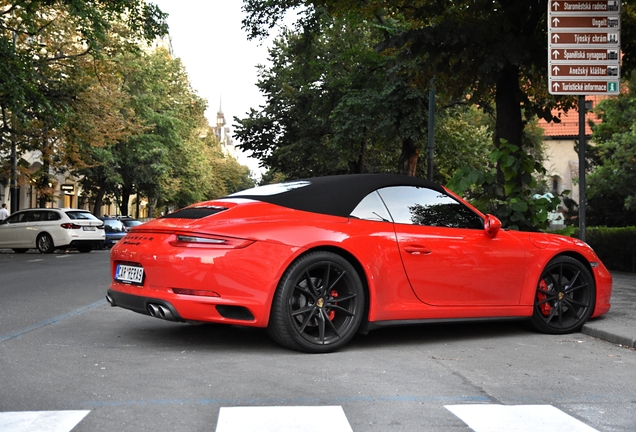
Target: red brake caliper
(332, 313)
(545, 307)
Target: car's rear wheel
(44, 242)
(565, 296)
(318, 305)
(20, 250)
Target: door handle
(418, 250)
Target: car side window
(371, 208)
(422, 206)
(17, 218)
(35, 216)
(52, 216)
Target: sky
(220, 61)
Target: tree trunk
(509, 124)
(125, 200)
(408, 158)
(99, 199)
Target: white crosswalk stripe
(478, 417)
(517, 418)
(287, 418)
(40, 421)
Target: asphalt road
(62, 347)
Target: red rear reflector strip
(192, 292)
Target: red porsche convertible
(316, 261)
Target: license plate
(89, 228)
(129, 274)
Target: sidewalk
(618, 326)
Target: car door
(13, 231)
(448, 257)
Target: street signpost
(584, 47)
(583, 58)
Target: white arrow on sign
(556, 38)
(556, 86)
(555, 54)
(555, 70)
(555, 22)
(555, 5)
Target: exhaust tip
(110, 300)
(165, 313)
(153, 310)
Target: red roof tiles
(569, 126)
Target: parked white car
(50, 229)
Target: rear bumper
(139, 304)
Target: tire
(20, 250)
(319, 304)
(44, 242)
(565, 297)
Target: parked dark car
(114, 230)
(129, 222)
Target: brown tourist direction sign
(584, 47)
(570, 70)
(585, 54)
(584, 38)
(584, 6)
(585, 22)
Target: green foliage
(335, 105)
(616, 247)
(611, 190)
(172, 157)
(463, 140)
(514, 201)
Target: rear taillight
(71, 226)
(210, 241)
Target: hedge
(616, 247)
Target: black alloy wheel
(44, 242)
(565, 296)
(319, 304)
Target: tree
(492, 52)
(164, 149)
(611, 184)
(44, 46)
(335, 105)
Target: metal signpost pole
(431, 131)
(582, 194)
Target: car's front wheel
(44, 242)
(319, 304)
(565, 296)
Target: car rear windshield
(81, 215)
(194, 212)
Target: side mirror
(492, 226)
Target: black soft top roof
(332, 195)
